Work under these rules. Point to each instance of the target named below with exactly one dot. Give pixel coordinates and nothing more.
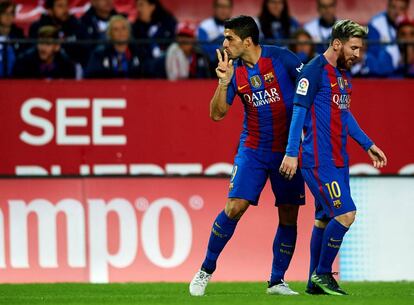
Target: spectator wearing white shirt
(211, 30)
(383, 28)
(320, 28)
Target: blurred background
(112, 171)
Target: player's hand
(288, 167)
(224, 68)
(378, 157)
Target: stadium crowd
(102, 43)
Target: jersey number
(333, 189)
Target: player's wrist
(223, 82)
(292, 154)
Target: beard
(342, 62)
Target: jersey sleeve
(291, 62)
(231, 90)
(307, 86)
(358, 134)
(295, 131)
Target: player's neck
(252, 57)
(331, 56)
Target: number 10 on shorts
(333, 189)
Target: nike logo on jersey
(242, 87)
(302, 196)
(333, 85)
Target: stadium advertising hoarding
(160, 127)
(132, 229)
(156, 229)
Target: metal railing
(89, 45)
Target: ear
(248, 42)
(337, 44)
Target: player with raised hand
(264, 79)
(322, 109)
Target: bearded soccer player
(264, 78)
(321, 108)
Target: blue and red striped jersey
(266, 91)
(326, 91)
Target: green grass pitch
(373, 293)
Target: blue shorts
(330, 187)
(250, 172)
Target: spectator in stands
(153, 23)
(320, 28)
(8, 30)
(69, 28)
(183, 59)
(383, 27)
(405, 34)
(210, 32)
(46, 59)
(304, 47)
(120, 59)
(95, 21)
(275, 21)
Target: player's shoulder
(276, 52)
(314, 68)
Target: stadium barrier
(127, 127)
(103, 230)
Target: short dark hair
(243, 26)
(347, 29)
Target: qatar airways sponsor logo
(88, 233)
(262, 97)
(343, 101)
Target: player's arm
(377, 156)
(292, 63)
(224, 71)
(290, 161)
(306, 89)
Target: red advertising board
(133, 229)
(161, 127)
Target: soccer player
(263, 77)
(321, 108)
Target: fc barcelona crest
(269, 77)
(341, 83)
(256, 81)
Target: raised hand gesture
(224, 68)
